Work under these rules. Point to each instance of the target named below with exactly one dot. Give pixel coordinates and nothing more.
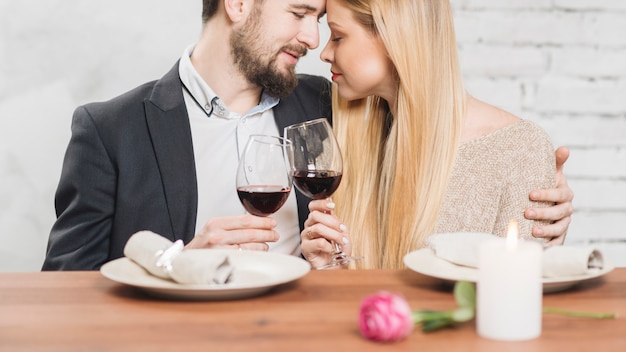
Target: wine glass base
(339, 260)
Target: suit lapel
(285, 114)
(169, 128)
(168, 124)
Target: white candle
(509, 288)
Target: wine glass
(264, 174)
(317, 168)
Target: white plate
(424, 261)
(255, 273)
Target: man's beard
(257, 65)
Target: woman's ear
(238, 10)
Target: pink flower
(385, 317)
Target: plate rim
(550, 284)
(170, 289)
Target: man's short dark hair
(209, 7)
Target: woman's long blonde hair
(396, 168)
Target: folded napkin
(167, 260)
(571, 261)
(558, 261)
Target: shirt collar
(207, 98)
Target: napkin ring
(166, 256)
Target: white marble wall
(57, 54)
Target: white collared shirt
(218, 142)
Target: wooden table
(83, 311)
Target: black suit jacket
(129, 166)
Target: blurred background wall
(560, 63)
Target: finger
(244, 222)
(328, 234)
(328, 219)
(315, 247)
(212, 237)
(308, 235)
(561, 194)
(561, 155)
(263, 247)
(227, 231)
(338, 234)
(318, 245)
(553, 213)
(556, 241)
(555, 231)
(251, 237)
(317, 252)
(322, 205)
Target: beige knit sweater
(492, 178)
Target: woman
(421, 156)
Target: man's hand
(237, 232)
(560, 213)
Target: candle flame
(512, 235)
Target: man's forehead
(313, 6)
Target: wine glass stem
(339, 257)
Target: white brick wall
(562, 64)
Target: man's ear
(238, 10)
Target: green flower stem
(421, 316)
(463, 314)
(571, 313)
(433, 325)
(434, 320)
(465, 296)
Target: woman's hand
(320, 229)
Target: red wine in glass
(317, 169)
(262, 200)
(317, 184)
(264, 174)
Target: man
(163, 156)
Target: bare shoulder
(482, 119)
